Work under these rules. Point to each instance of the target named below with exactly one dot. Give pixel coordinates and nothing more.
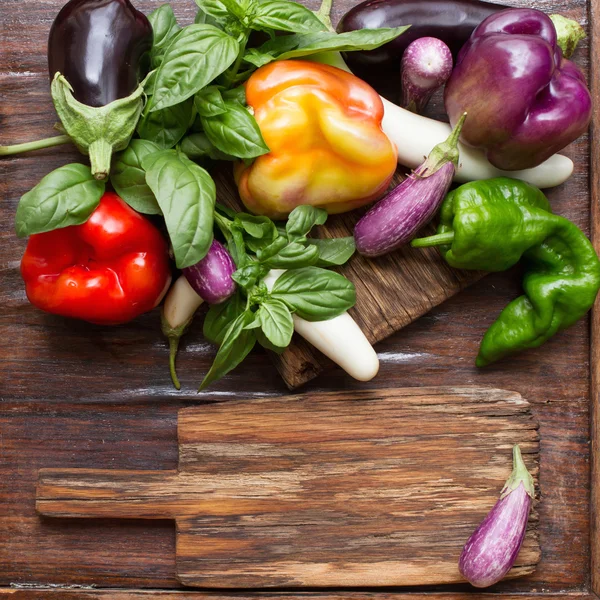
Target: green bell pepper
(490, 225)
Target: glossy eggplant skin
(99, 46)
(451, 21)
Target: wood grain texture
(377, 488)
(90, 594)
(595, 325)
(84, 396)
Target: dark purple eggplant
(99, 45)
(451, 21)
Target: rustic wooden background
(75, 395)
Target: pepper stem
(569, 33)
(440, 239)
(59, 140)
(100, 153)
(443, 153)
(173, 348)
(520, 475)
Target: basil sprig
(186, 195)
(257, 314)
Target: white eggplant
(340, 339)
(415, 136)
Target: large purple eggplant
(98, 46)
(451, 21)
(492, 549)
(525, 101)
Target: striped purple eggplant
(399, 215)
(211, 277)
(491, 551)
(426, 66)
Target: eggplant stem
(440, 239)
(58, 140)
(173, 347)
(324, 13)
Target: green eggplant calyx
(443, 153)
(97, 131)
(520, 475)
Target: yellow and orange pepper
(323, 129)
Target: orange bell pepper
(323, 129)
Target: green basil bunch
(259, 314)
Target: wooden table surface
(76, 395)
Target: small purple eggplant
(491, 551)
(207, 281)
(426, 66)
(211, 277)
(399, 215)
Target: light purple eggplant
(491, 551)
(426, 66)
(207, 281)
(211, 277)
(399, 215)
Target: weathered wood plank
(595, 333)
(364, 489)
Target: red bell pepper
(108, 271)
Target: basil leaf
(285, 15)
(237, 94)
(129, 179)
(334, 252)
(294, 256)
(65, 197)
(197, 55)
(262, 339)
(197, 146)
(220, 316)
(165, 28)
(256, 226)
(167, 126)
(296, 46)
(276, 322)
(235, 132)
(236, 345)
(315, 294)
(302, 219)
(272, 249)
(257, 58)
(209, 102)
(186, 195)
(247, 276)
(213, 8)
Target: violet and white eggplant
(207, 281)
(399, 215)
(492, 549)
(426, 66)
(211, 277)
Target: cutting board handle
(104, 493)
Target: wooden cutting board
(376, 488)
(391, 291)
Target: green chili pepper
(489, 225)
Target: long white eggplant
(340, 339)
(415, 136)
